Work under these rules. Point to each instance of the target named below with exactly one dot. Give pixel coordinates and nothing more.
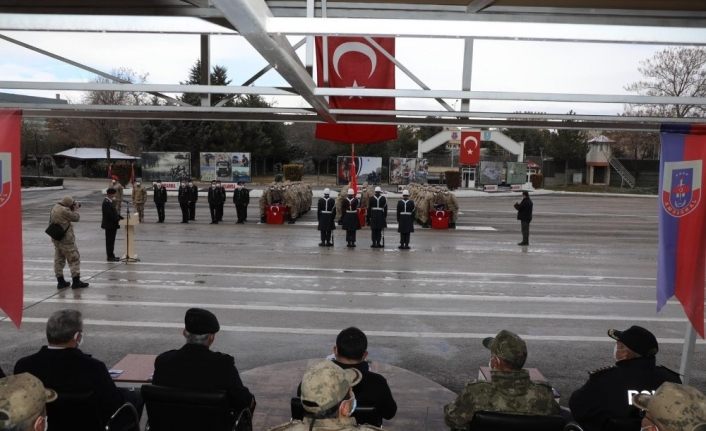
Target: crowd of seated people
(341, 393)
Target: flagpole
(687, 352)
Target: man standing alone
(111, 217)
(524, 215)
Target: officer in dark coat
(221, 200)
(377, 216)
(326, 215)
(351, 222)
(241, 199)
(196, 367)
(160, 198)
(405, 219)
(184, 196)
(194, 197)
(214, 197)
(524, 215)
(609, 391)
(109, 223)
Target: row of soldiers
(295, 195)
(429, 198)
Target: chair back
(623, 424)
(74, 411)
(173, 409)
(495, 421)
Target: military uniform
(332, 424)
(65, 250)
(405, 220)
(160, 198)
(351, 222)
(509, 391)
(139, 196)
(214, 196)
(326, 216)
(241, 199)
(192, 203)
(377, 218)
(118, 202)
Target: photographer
(64, 213)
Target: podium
(128, 223)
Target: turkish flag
(469, 153)
(353, 63)
(11, 272)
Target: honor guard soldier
(377, 216)
(139, 196)
(241, 199)
(160, 198)
(194, 197)
(351, 222)
(213, 197)
(405, 219)
(183, 196)
(326, 215)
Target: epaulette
(601, 370)
(671, 371)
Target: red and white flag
(351, 62)
(11, 272)
(469, 152)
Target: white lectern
(129, 223)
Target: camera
(76, 205)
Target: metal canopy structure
(265, 24)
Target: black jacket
(184, 194)
(71, 370)
(194, 193)
(110, 215)
(524, 210)
(608, 390)
(196, 367)
(241, 196)
(160, 195)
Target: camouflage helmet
(325, 385)
(66, 201)
(509, 347)
(22, 397)
(676, 407)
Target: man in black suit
(63, 367)
(110, 220)
(196, 367)
(160, 198)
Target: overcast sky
(559, 67)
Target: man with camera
(63, 214)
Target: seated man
(196, 367)
(22, 403)
(608, 392)
(328, 400)
(373, 391)
(673, 407)
(510, 389)
(63, 367)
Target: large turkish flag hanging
(469, 152)
(11, 273)
(352, 62)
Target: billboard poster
(405, 171)
(165, 166)
(368, 169)
(225, 167)
(516, 172)
(492, 172)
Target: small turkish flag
(469, 153)
(354, 63)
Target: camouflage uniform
(65, 250)
(675, 407)
(118, 202)
(139, 196)
(334, 424)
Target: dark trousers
(110, 242)
(377, 236)
(404, 238)
(192, 210)
(160, 212)
(242, 211)
(350, 236)
(219, 212)
(212, 209)
(326, 236)
(524, 226)
(184, 211)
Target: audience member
(328, 400)
(609, 391)
(22, 403)
(2, 373)
(673, 407)
(510, 389)
(196, 367)
(63, 367)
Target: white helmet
(327, 191)
(378, 189)
(405, 192)
(350, 191)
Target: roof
(93, 154)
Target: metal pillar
(467, 72)
(205, 73)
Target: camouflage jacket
(64, 216)
(139, 194)
(336, 424)
(509, 392)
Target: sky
(498, 65)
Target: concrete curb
(39, 189)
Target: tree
(678, 72)
(567, 145)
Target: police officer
(351, 222)
(184, 196)
(64, 213)
(326, 215)
(160, 198)
(377, 216)
(241, 199)
(214, 197)
(194, 197)
(608, 393)
(139, 196)
(405, 219)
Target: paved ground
(280, 297)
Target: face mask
(615, 351)
(114, 182)
(183, 185)
(79, 340)
(159, 185)
(138, 184)
(46, 423)
(354, 405)
(191, 184)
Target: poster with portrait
(225, 167)
(406, 170)
(368, 169)
(516, 172)
(492, 173)
(165, 166)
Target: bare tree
(679, 72)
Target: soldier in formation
(194, 196)
(213, 198)
(160, 198)
(118, 202)
(429, 198)
(351, 222)
(296, 196)
(326, 215)
(405, 219)
(221, 201)
(183, 194)
(377, 216)
(241, 199)
(64, 213)
(139, 196)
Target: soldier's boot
(78, 284)
(452, 225)
(62, 283)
